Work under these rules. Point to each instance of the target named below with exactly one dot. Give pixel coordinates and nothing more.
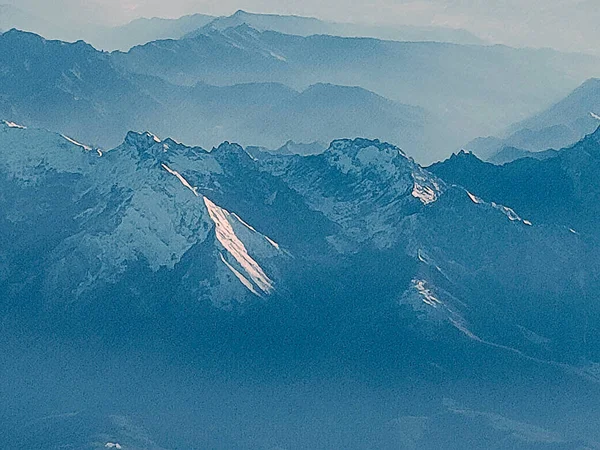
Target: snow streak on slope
(13, 125)
(78, 144)
(236, 248)
(508, 212)
(239, 276)
(427, 194)
(181, 179)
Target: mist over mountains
(559, 126)
(144, 30)
(81, 92)
(163, 86)
(224, 235)
(429, 75)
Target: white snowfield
(160, 221)
(236, 249)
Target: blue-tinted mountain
(482, 100)
(562, 190)
(79, 91)
(166, 213)
(559, 126)
(307, 26)
(143, 30)
(68, 87)
(161, 274)
(352, 261)
(509, 154)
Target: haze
(567, 25)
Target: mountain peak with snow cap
(356, 155)
(147, 224)
(147, 146)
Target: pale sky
(564, 24)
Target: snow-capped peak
(355, 155)
(142, 140)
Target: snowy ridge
(73, 141)
(164, 212)
(508, 212)
(28, 154)
(143, 210)
(255, 277)
(365, 186)
(13, 125)
(181, 179)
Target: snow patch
(424, 189)
(276, 56)
(239, 276)
(181, 179)
(236, 248)
(595, 116)
(474, 199)
(78, 144)
(426, 295)
(424, 193)
(508, 212)
(13, 125)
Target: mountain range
(308, 26)
(486, 98)
(355, 257)
(560, 190)
(181, 87)
(144, 30)
(81, 92)
(224, 236)
(559, 126)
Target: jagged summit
(148, 145)
(221, 229)
(142, 139)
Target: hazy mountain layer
(77, 90)
(559, 126)
(144, 30)
(307, 26)
(466, 103)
